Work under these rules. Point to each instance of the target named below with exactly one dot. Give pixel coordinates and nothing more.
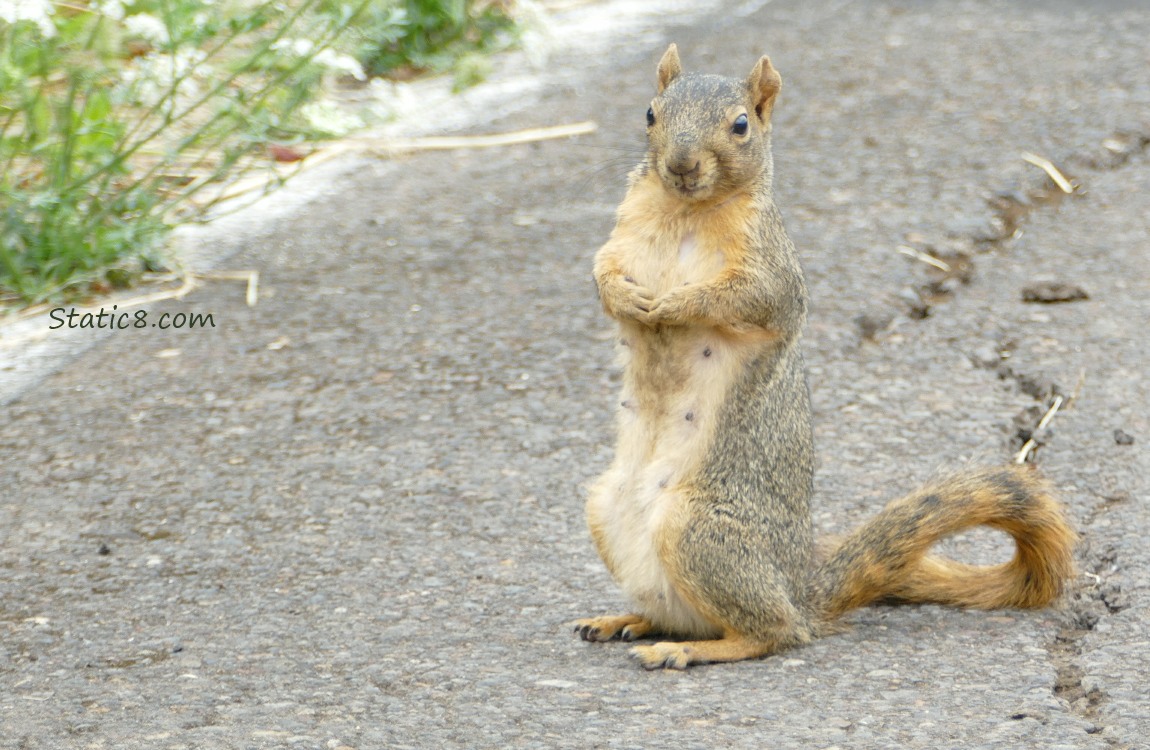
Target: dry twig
(1042, 423)
(252, 277)
(927, 258)
(1052, 171)
(390, 147)
(442, 143)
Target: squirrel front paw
(672, 308)
(626, 299)
(620, 628)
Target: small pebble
(561, 684)
(986, 357)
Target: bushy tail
(886, 557)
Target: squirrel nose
(682, 165)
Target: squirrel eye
(650, 117)
(740, 126)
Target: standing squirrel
(704, 516)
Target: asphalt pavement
(351, 515)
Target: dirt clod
(1123, 438)
(1050, 292)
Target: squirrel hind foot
(669, 655)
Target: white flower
(326, 57)
(328, 118)
(148, 27)
(341, 63)
(113, 9)
(153, 77)
(297, 47)
(37, 11)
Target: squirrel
(703, 518)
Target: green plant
(119, 118)
(114, 118)
(432, 34)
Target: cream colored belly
(663, 437)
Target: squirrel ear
(764, 84)
(669, 67)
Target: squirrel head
(709, 136)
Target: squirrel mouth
(679, 184)
(690, 187)
(689, 190)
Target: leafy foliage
(431, 34)
(113, 117)
(118, 117)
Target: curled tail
(886, 558)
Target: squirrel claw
(588, 630)
(603, 629)
(662, 656)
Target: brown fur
(704, 515)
